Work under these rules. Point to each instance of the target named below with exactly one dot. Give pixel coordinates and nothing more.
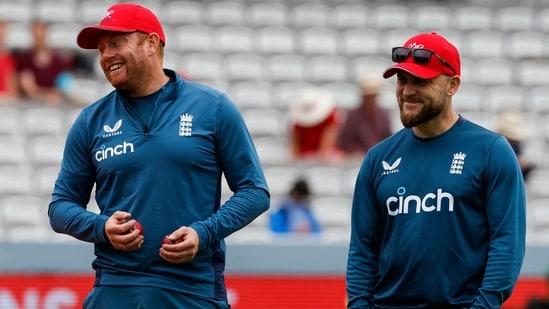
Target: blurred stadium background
(261, 53)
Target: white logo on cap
(415, 45)
(108, 14)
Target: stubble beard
(427, 113)
(133, 79)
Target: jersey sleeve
(67, 210)
(506, 214)
(361, 274)
(242, 169)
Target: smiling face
(125, 60)
(421, 100)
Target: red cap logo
(122, 17)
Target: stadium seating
(317, 41)
(489, 72)
(472, 18)
(262, 53)
(275, 40)
(265, 122)
(204, 67)
(266, 14)
(182, 12)
(468, 98)
(362, 41)
(62, 12)
(431, 18)
(346, 94)
(306, 15)
(484, 44)
(10, 122)
(513, 18)
(18, 36)
(349, 16)
(285, 67)
(233, 39)
(326, 69)
(16, 11)
(252, 94)
(224, 13)
(389, 16)
(192, 38)
(244, 67)
(528, 44)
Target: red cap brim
(418, 70)
(89, 36)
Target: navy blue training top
(437, 222)
(166, 171)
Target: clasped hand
(181, 246)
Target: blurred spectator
(8, 79)
(368, 123)
(184, 74)
(509, 124)
(540, 302)
(314, 123)
(44, 73)
(294, 214)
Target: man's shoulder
(201, 89)
(476, 129)
(388, 144)
(104, 100)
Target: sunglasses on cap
(420, 56)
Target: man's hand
(122, 232)
(180, 246)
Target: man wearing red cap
(438, 214)
(155, 150)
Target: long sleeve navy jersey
(167, 172)
(437, 222)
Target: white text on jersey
(430, 202)
(109, 152)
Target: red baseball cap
(433, 42)
(121, 17)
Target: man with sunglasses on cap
(155, 149)
(438, 214)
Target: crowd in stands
(322, 133)
(39, 73)
(317, 128)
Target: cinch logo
(115, 130)
(109, 152)
(430, 202)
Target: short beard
(426, 114)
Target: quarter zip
(135, 118)
(145, 124)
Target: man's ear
(453, 85)
(153, 42)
